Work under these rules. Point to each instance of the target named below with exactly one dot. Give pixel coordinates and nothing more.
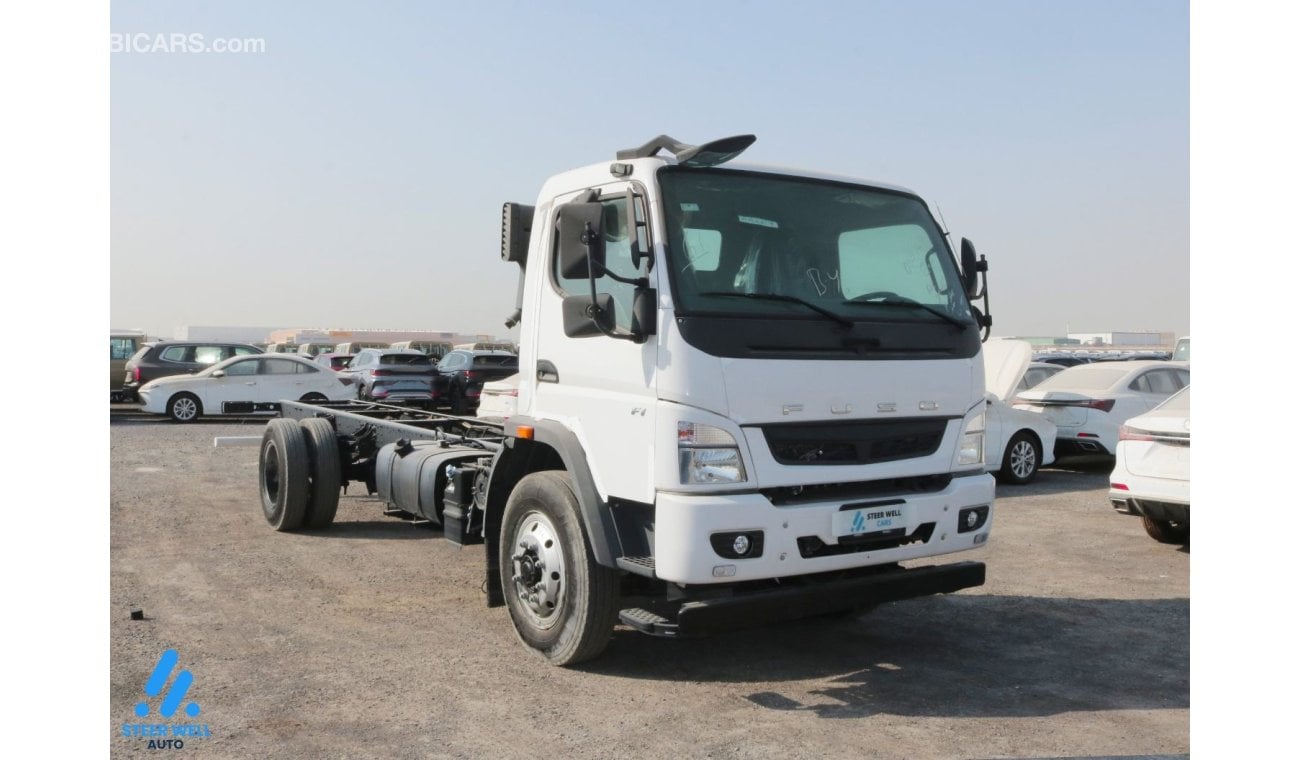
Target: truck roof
(599, 174)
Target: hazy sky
(352, 174)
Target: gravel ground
(372, 639)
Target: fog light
(972, 518)
(737, 544)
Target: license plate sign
(867, 520)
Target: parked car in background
(1035, 373)
(431, 348)
(281, 348)
(176, 357)
(462, 372)
(1063, 360)
(1016, 443)
(246, 384)
(499, 398)
(393, 375)
(1153, 469)
(355, 346)
(334, 361)
(122, 345)
(1088, 403)
(314, 349)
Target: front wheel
(562, 603)
(184, 407)
(1167, 532)
(1022, 459)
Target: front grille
(782, 495)
(854, 442)
(812, 546)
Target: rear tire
(184, 407)
(562, 603)
(282, 471)
(324, 474)
(1022, 459)
(1167, 532)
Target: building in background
(224, 334)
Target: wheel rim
(184, 408)
(538, 570)
(270, 477)
(1023, 459)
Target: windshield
(767, 245)
(1183, 351)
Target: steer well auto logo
(170, 735)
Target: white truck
(746, 395)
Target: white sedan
(1016, 442)
(1153, 472)
(244, 385)
(499, 398)
(1089, 402)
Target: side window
(209, 354)
(244, 351)
(1184, 377)
(239, 369)
(303, 369)
(703, 249)
(178, 354)
(895, 259)
(1161, 381)
(278, 367)
(121, 348)
(618, 258)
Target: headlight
(971, 448)
(707, 455)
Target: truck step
(638, 565)
(646, 621)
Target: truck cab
(749, 373)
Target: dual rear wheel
(299, 474)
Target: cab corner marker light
(525, 432)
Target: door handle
(546, 372)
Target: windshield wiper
(893, 299)
(788, 299)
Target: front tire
(562, 603)
(184, 407)
(282, 474)
(1021, 461)
(1167, 532)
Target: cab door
(601, 388)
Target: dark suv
(461, 375)
(176, 357)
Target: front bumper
(799, 539)
(814, 596)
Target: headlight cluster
(971, 448)
(707, 455)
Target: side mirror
(582, 240)
(645, 307)
(971, 266)
(583, 319)
(219, 373)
